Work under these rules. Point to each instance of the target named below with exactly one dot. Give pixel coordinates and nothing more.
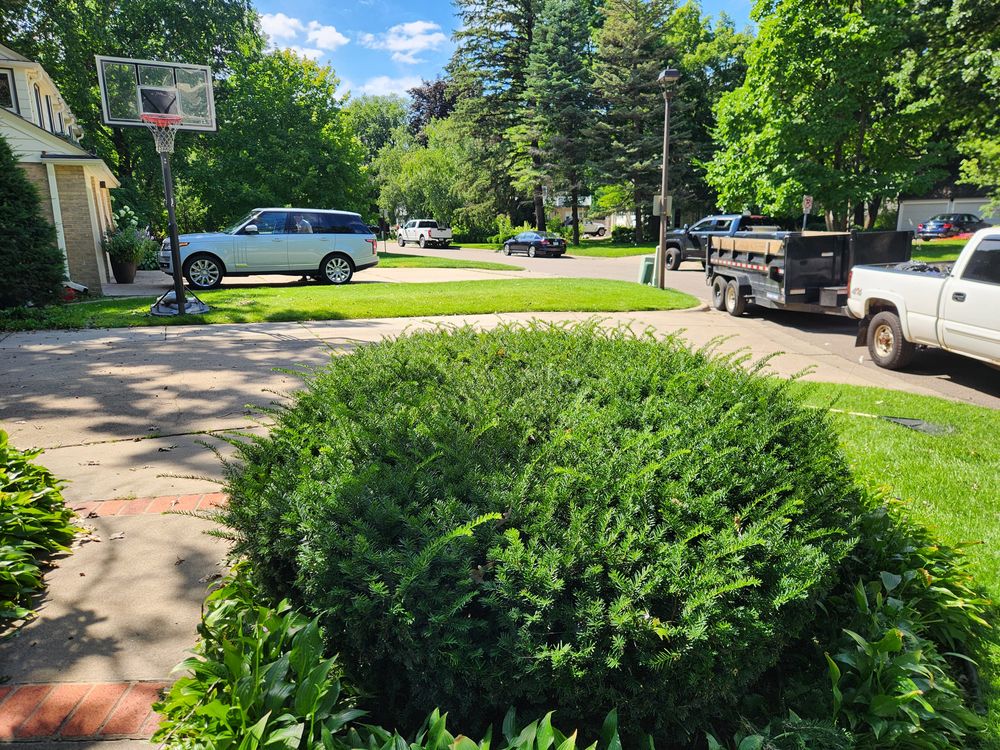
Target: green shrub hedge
(547, 517)
(34, 523)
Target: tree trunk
(575, 195)
(874, 206)
(539, 208)
(859, 214)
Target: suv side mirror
(250, 229)
(685, 227)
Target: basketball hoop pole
(175, 245)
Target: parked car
(535, 243)
(951, 306)
(424, 232)
(948, 225)
(593, 228)
(330, 246)
(690, 243)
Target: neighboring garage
(914, 211)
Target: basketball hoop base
(166, 305)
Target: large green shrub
(34, 523)
(31, 265)
(547, 517)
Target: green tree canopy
(375, 120)
(827, 110)
(283, 139)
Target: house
(72, 183)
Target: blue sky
(386, 46)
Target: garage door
(912, 213)
(977, 206)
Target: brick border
(139, 506)
(79, 710)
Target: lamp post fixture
(666, 79)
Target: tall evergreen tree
(31, 265)
(631, 51)
(558, 88)
(488, 71)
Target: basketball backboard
(131, 88)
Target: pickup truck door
(968, 320)
(266, 249)
(700, 232)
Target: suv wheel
(203, 272)
(601, 231)
(336, 269)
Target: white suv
(330, 246)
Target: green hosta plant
(258, 679)
(34, 523)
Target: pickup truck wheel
(401, 241)
(673, 259)
(886, 344)
(203, 272)
(736, 303)
(336, 269)
(422, 243)
(719, 293)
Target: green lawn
(321, 302)
(938, 251)
(403, 260)
(950, 482)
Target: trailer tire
(886, 344)
(736, 303)
(673, 259)
(719, 292)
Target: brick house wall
(37, 176)
(81, 235)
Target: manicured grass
(949, 482)
(321, 302)
(938, 251)
(403, 260)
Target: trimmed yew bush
(547, 517)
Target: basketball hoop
(163, 128)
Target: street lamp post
(666, 79)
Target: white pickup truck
(423, 232)
(952, 306)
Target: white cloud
(310, 52)
(406, 40)
(381, 85)
(325, 37)
(280, 26)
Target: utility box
(646, 269)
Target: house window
(48, 108)
(62, 127)
(38, 107)
(7, 94)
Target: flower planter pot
(124, 271)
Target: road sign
(807, 204)
(658, 206)
(133, 88)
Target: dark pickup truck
(690, 243)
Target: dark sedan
(535, 243)
(948, 225)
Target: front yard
(360, 300)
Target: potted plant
(127, 246)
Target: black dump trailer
(804, 271)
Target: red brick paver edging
(162, 504)
(79, 710)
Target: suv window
(271, 222)
(984, 265)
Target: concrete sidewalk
(124, 415)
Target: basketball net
(163, 128)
